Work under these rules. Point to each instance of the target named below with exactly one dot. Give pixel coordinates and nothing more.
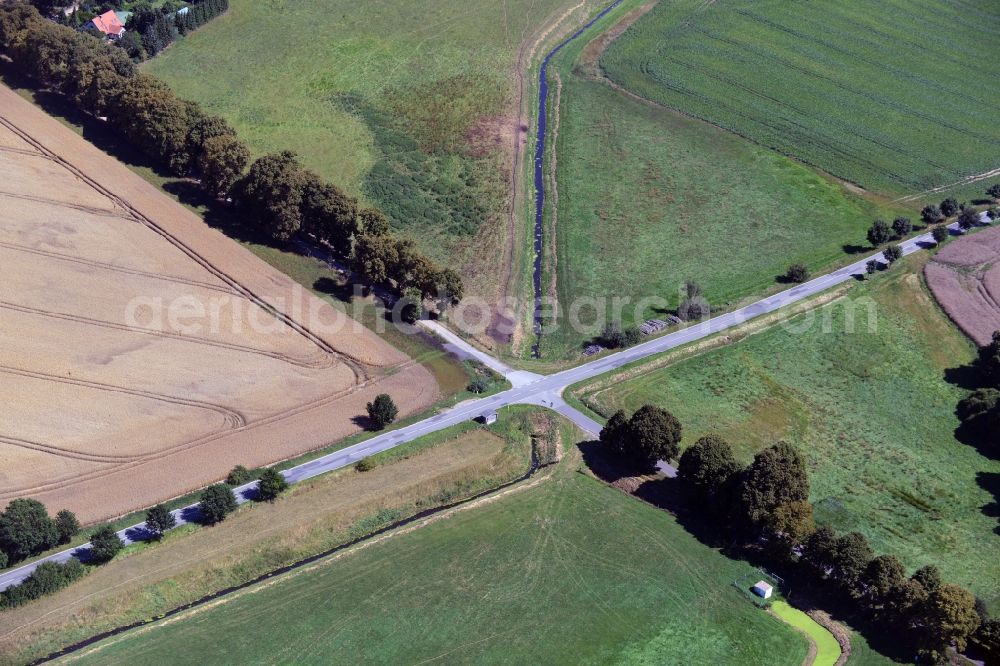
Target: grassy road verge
(312, 517)
(565, 570)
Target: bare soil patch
(965, 279)
(143, 354)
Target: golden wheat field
(143, 354)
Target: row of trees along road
(765, 508)
(26, 529)
(967, 217)
(277, 197)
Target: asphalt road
(528, 388)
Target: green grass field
(896, 96)
(409, 104)
(649, 198)
(871, 411)
(827, 647)
(570, 571)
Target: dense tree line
(980, 410)
(765, 506)
(47, 578)
(26, 529)
(767, 502)
(650, 435)
(150, 30)
(277, 197)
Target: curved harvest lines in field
(127, 401)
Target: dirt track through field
(143, 354)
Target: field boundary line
(231, 415)
(66, 204)
(112, 267)
(312, 562)
(355, 364)
(992, 173)
(330, 399)
(324, 360)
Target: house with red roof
(108, 24)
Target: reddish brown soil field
(143, 354)
(965, 278)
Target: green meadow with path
(568, 571)
(649, 198)
(411, 105)
(894, 95)
(871, 410)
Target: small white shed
(488, 418)
(762, 589)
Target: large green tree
(654, 435)
(851, 557)
(104, 544)
(66, 525)
(614, 433)
(270, 195)
(791, 524)
(382, 411)
(222, 161)
(949, 206)
(204, 128)
(879, 233)
(374, 257)
(883, 576)
(931, 214)
(159, 520)
(820, 550)
(706, 469)
(329, 214)
(968, 218)
(776, 476)
(988, 361)
(949, 617)
(272, 484)
(217, 502)
(929, 577)
(26, 529)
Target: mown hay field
(144, 354)
(567, 571)
(649, 198)
(872, 410)
(892, 95)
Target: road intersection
(526, 388)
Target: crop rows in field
(894, 96)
